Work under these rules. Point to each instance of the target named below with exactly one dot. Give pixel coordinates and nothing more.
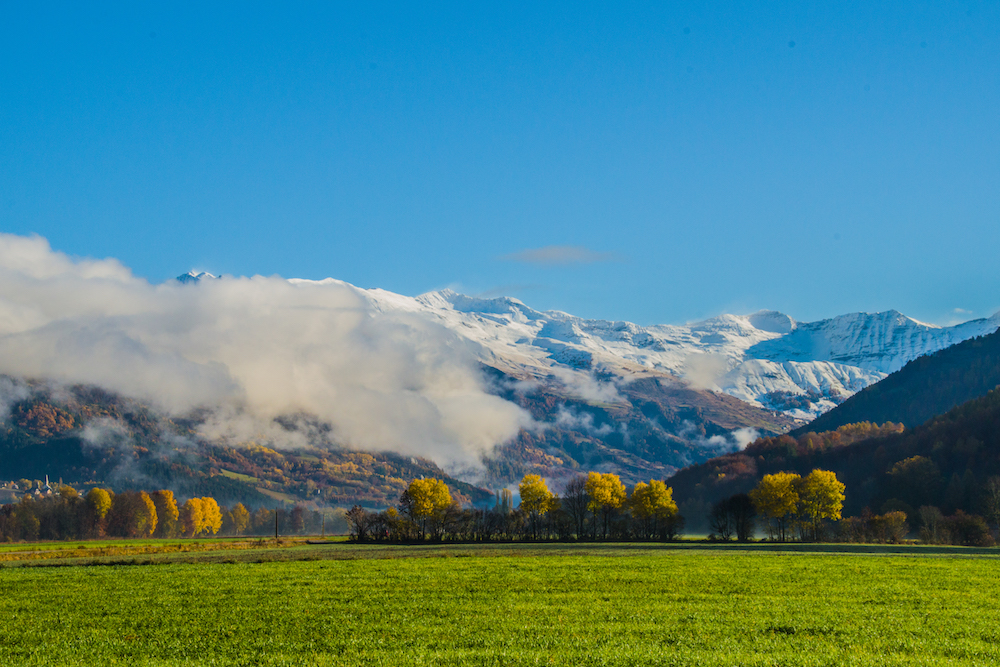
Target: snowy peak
(509, 307)
(194, 276)
(766, 358)
(882, 342)
(772, 321)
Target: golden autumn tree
(192, 517)
(42, 419)
(821, 497)
(606, 493)
(98, 503)
(425, 501)
(536, 499)
(211, 516)
(241, 518)
(167, 513)
(777, 499)
(147, 515)
(653, 504)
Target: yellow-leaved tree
(425, 501)
(192, 517)
(211, 516)
(166, 512)
(607, 494)
(536, 500)
(777, 500)
(98, 504)
(241, 518)
(821, 497)
(147, 516)
(653, 504)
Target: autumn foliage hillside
(649, 428)
(944, 463)
(85, 435)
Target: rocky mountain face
(925, 387)
(766, 359)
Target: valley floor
(624, 604)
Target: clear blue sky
(656, 162)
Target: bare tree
(361, 522)
(574, 503)
(722, 520)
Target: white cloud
(253, 349)
(703, 370)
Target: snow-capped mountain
(194, 276)
(766, 359)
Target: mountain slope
(767, 358)
(945, 462)
(925, 387)
(650, 428)
(85, 435)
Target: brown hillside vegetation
(949, 463)
(44, 437)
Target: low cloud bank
(252, 349)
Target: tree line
(810, 509)
(67, 515)
(597, 506)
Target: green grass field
(82, 544)
(564, 605)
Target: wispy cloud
(560, 255)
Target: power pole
(275, 524)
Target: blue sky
(659, 162)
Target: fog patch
(105, 433)
(570, 419)
(587, 387)
(703, 370)
(12, 392)
(733, 441)
(250, 350)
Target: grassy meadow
(342, 604)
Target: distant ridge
(927, 386)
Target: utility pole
(275, 524)
(323, 523)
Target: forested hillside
(927, 386)
(84, 435)
(946, 463)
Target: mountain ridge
(767, 358)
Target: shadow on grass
(300, 551)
